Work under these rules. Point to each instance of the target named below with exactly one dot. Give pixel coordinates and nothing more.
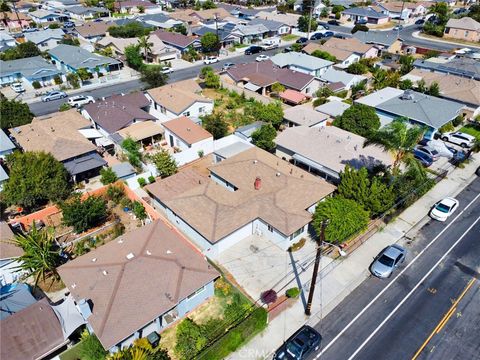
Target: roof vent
(255, 161)
(149, 252)
(277, 174)
(105, 272)
(407, 95)
(120, 241)
(130, 256)
(94, 259)
(188, 129)
(169, 252)
(74, 286)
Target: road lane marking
(445, 319)
(412, 291)
(354, 320)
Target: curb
(416, 34)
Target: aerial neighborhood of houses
(177, 177)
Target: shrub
(83, 215)
(293, 293)
(36, 85)
(319, 101)
(64, 107)
(222, 287)
(166, 165)
(269, 296)
(57, 79)
(108, 176)
(142, 182)
(342, 94)
(200, 153)
(359, 27)
(359, 119)
(139, 210)
(446, 128)
(298, 245)
(115, 193)
(91, 348)
(126, 203)
(457, 121)
(190, 339)
(72, 79)
(357, 68)
(151, 179)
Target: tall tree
(133, 56)
(153, 76)
(264, 137)
(215, 125)
(303, 23)
(83, 215)
(165, 164)
(399, 138)
(35, 179)
(145, 44)
(210, 42)
(41, 255)
(13, 113)
(406, 62)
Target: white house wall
(195, 110)
(261, 228)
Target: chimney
(258, 183)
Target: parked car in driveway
(301, 40)
(425, 160)
(167, 70)
(443, 209)
(459, 138)
(387, 261)
(17, 87)
(300, 345)
(260, 58)
(328, 34)
(429, 151)
(54, 95)
(210, 60)
(254, 49)
(334, 22)
(80, 100)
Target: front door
(171, 141)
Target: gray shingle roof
(80, 10)
(33, 68)
(384, 38)
(84, 163)
(301, 60)
(77, 57)
(333, 108)
(251, 29)
(249, 129)
(426, 109)
(458, 66)
(364, 11)
(5, 143)
(123, 169)
(38, 37)
(271, 25)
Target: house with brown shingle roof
(252, 192)
(452, 87)
(260, 76)
(59, 135)
(9, 254)
(184, 134)
(465, 28)
(176, 40)
(140, 283)
(182, 98)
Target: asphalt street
(415, 314)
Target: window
(466, 33)
(296, 233)
(186, 113)
(189, 297)
(163, 110)
(201, 110)
(270, 228)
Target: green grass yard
(471, 129)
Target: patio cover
(314, 165)
(141, 130)
(84, 163)
(252, 87)
(69, 316)
(14, 298)
(90, 133)
(103, 142)
(293, 96)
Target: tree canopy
(165, 163)
(215, 125)
(303, 24)
(357, 68)
(269, 113)
(359, 119)
(108, 176)
(83, 215)
(35, 179)
(153, 76)
(264, 137)
(210, 42)
(133, 56)
(13, 113)
(21, 51)
(345, 217)
(130, 30)
(324, 55)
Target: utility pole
(218, 39)
(400, 20)
(312, 3)
(315, 268)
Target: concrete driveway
(258, 265)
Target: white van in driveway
(271, 43)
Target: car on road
(325, 26)
(210, 60)
(300, 345)
(459, 138)
(434, 154)
(54, 95)
(387, 261)
(420, 22)
(17, 87)
(167, 70)
(334, 22)
(328, 34)
(301, 40)
(443, 209)
(80, 100)
(398, 27)
(261, 58)
(287, 49)
(227, 66)
(254, 49)
(425, 160)
(316, 36)
(68, 24)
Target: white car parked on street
(80, 100)
(260, 58)
(210, 60)
(443, 209)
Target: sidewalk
(336, 282)
(418, 35)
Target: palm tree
(143, 43)
(398, 138)
(41, 254)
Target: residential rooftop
(7, 249)
(304, 115)
(78, 57)
(215, 212)
(37, 37)
(150, 269)
(34, 67)
(333, 108)
(458, 66)
(187, 130)
(57, 134)
(5, 143)
(465, 23)
(300, 60)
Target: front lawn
(73, 353)
(471, 129)
(289, 37)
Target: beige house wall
(462, 34)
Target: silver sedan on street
(388, 260)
